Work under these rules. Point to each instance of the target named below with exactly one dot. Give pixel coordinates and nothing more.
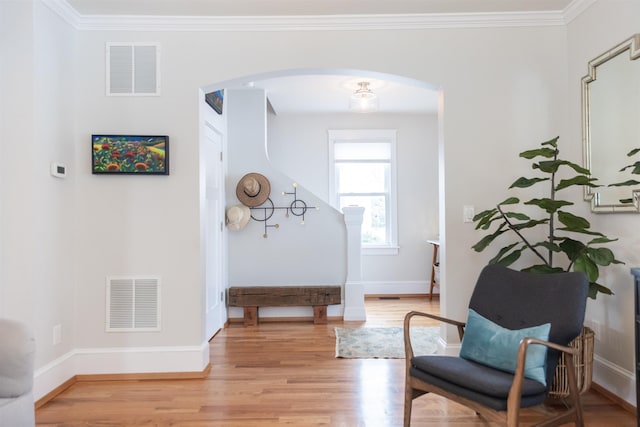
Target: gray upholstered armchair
(518, 325)
(17, 349)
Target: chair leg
(408, 402)
(513, 416)
(574, 393)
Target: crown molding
(64, 10)
(315, 22)
(575, 9)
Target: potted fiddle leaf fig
(558, 239)
(635, 169)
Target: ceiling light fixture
(363, 99)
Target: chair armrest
(408, 349)
(515, 392)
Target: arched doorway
(310, 87)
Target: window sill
(380, 250)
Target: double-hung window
(363, 173)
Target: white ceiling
(329, 93)
(323, 92)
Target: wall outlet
(57, 334)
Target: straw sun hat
(253, 189)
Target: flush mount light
(363, 99)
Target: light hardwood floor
(279, 374)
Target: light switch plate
(468, 213)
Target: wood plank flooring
(279, 374)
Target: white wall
(38, 257)
(501, 91)
(504, 91)
(601, 27)
(138, 225)
(298, 145)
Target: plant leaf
(486, 240)
(517, 215)
(548, 246)
(509, 259)
(485, 213)
(487, 224)
(601, 256)
(484, 218)
(509, 201)
(572, 221)
(625, 183)
(573, 248)
(587, 266)
(578, 180)
(632, 152)
(576, 167)
(552, 142)
(523, 182)
(548, 166)
(548, 205)
(542, 152)
(529, 224)
(635, 166)
(594, 288)
(502, 252)
(602, 239)
(543, 269)
(581, 230)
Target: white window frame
(369, 135)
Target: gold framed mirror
(611, 126)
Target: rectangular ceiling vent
(133, 304)
(132, 69)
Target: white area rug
(384, 343)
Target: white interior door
(214, 217)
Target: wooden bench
(252, 297)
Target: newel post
(353, 288)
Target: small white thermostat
(58, 170)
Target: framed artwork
(215, 100)
(130, 154)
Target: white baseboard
(615, 379)
(52, 375)
(397, 288)
(137, 360)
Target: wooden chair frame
(414, 387)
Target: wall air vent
(133, 304)
(132, 69)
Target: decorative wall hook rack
(265, 211)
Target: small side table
(435, 265)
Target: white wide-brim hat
(237, 217)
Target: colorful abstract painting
(130, 154)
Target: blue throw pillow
(492, 345)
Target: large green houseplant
(558, 239)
